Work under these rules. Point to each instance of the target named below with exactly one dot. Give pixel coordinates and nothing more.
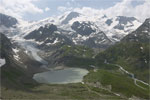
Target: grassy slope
(73, 56)
(55, 92)
(119, 82)
(78, 51)
(130, 56)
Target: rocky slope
(7, 21)
(8, 25)
(14, 75)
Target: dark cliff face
(82, 28)
(122, 21)
(42, 32)
(108, 22)
(49, 37)
(5, 47)
(7, 21)
(125, 20)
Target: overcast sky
(40, 9)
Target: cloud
(87, 10)
(64, 9)
(68, 4)
(18, 8)
(47, 9)
(125, 8)
(142, 11)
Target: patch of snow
(40, 32)
(85, 37)
(39, 42)
(26, 51)
(135, 35)
(141, 48)
(16, 57)
(146, 31)
(79, 36)
(145, 61)
(46, 38)
(99, 42)
(74, 41)
(15, 50)
(82, 82)
(2, 62)
(56, 41)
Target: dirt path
(92, 91)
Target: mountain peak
(69, 17)
(83, 28)
(7, 21)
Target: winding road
(132, 76)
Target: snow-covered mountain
(141, 34)
(93, 31)
(114, 27)
(8, 24)
(84, 33)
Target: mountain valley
(109, 55)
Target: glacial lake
(68, 75)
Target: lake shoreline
(61, 75)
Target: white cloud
(125, 8)
(68, 3)
(88, 10)
(63, 9)
(18, 8)
(47, 9)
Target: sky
(40, 9)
